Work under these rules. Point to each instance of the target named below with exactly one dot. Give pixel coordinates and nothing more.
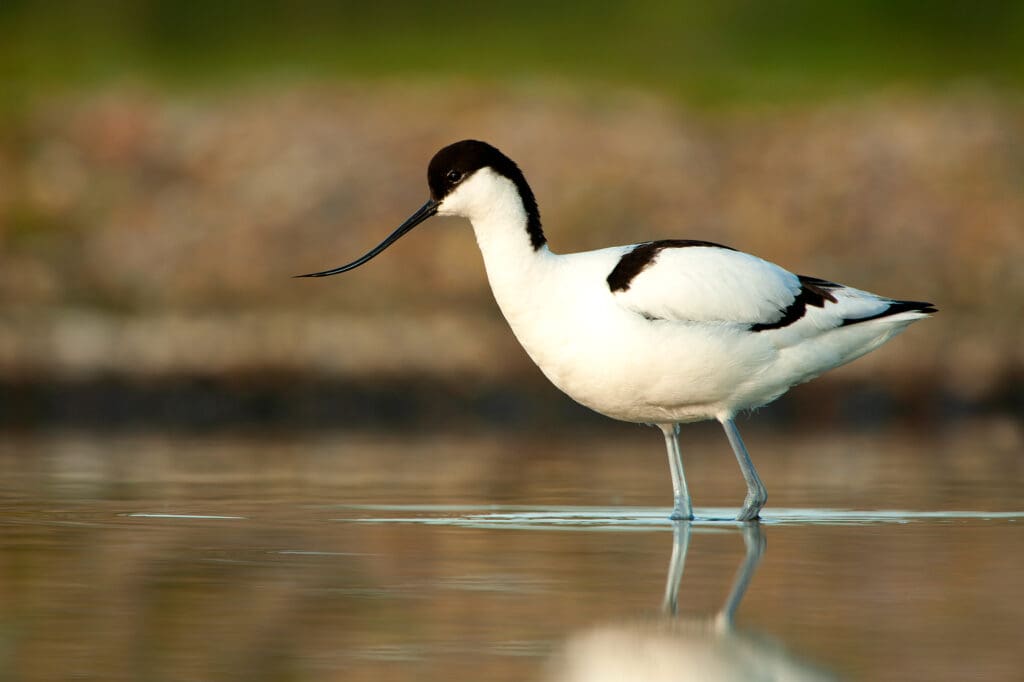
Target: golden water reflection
(363, 557)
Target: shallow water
(496, 557)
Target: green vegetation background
(729, 52)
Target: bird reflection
(676, 649)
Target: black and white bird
(664, 332)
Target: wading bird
(664, 332)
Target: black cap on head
(460, 160)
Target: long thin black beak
(427, 210)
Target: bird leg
(757, 494)
(681, 510)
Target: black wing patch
(644, 255)
(813, 291)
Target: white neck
(514, 265)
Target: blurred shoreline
(148, 239)
(426, 372)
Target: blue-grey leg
(755, 543)
(681, 510)
(757, 494)
(680, 545)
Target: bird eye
(454, 176)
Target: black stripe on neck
(533, 228)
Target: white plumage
(660, 333)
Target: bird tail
(897, 311)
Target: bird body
(594, 346)
(662, 332)
(673, 343)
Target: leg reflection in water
(673, 648)
(753, 540)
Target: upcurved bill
(427, 210)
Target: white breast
(613, 359)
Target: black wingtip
(911, 307)
(895, 308)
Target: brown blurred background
(164, 170)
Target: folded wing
(702, 282)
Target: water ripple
(650, 518)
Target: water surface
(451, 557)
